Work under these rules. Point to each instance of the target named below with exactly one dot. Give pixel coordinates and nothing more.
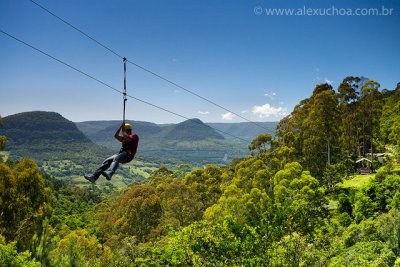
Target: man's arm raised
(116, 135)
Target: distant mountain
(103, 131)
(60, 148)
(190, 130)
(191, 141)
(48, 136)
(30, 128)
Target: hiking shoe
(90, 179)
(107, 175)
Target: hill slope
(29, 128)
(190, 130)
(191, 141)
(54, 142)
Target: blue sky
(231, 52)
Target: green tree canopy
(10, 257)
(260, 143)
(135, 213)
(24, 201)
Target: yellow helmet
(128, 126)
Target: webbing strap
(124, 93)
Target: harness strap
(124, 93)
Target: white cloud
(267, 110)
(245, 111)
(328, 81)
(203, 112)
(228, 116)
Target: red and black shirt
(129, 143)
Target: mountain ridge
(189, 130)
(44, 136)
(49, 136)
(244, 130)
(191, 141)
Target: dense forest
(296, 200)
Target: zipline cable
(62, 62)
(113, 88)
(146, 69)
(75, 28)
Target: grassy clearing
(119, 180)
(358, 181)
(116, 181)
(73, 172)
(144, 171)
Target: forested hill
(47, 136)
(100, 131)
(193, 129)
(191, 141)
(189, 130)
(40, 126)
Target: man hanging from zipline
(129, 142)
